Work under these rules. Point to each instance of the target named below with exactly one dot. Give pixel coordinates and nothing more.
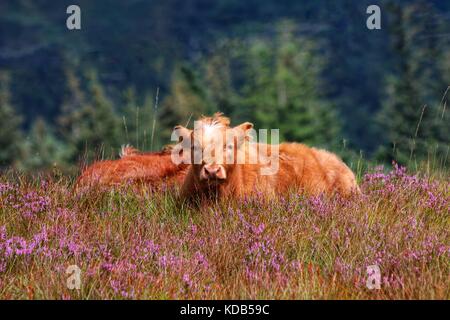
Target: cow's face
(215, 148)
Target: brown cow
(152, 168)
(300, 168)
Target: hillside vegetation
(146, 245)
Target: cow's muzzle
(213, 172)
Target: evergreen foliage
(42, 149)
(186, 101)
(11, 137)
(410, 115)
(310, 68)
(285, 89)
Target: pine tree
(137, 120)
(410, 113)
(11, 137)
(70, 115)
(284, 89)
(100, 125)
(43, 150)
(219, 82)
(91, 125)
(441, 128)
(259, 95)
(186, 101)
(304, 114)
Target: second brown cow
(152, 169)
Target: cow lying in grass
(300, 168)
(153, 169)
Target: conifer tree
(219, 82)
(92, 127)
(43, 150)
(410, 114)
(100, 123)
(304, 114)
(259, 96)
(284, 89)
(70, 115)
(11, 137)
(137, 119)
(186, 101)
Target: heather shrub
(146, 245)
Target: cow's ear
(242, 131)
(182, 132)
(244, 126)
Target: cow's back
(153, 169)
(302, 169)
(340, 177)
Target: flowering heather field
(144, 245)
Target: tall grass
(147, 245)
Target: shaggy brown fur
(153, 169)
(301, 168)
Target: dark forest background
(136, 68)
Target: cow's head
(215, 147)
